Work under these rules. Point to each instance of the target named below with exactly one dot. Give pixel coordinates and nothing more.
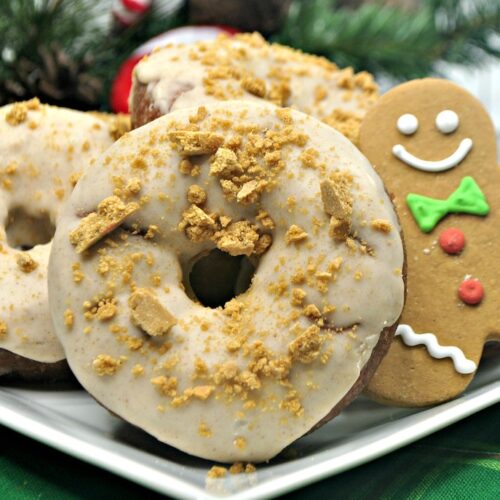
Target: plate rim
(418, 427)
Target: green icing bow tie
(467, 199)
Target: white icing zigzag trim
(461, 363)
(399, 151)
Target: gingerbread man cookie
(434, 145)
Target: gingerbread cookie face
(434, 146)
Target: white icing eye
(447, 121)
(407, 124)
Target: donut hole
(216, 277)
(25, 230)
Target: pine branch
(383, 39)
(55, 49)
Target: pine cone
(55, 78)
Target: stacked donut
(228, 275)
(43, 152)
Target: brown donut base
(142, 109)
(18, 368)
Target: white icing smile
(399, 151)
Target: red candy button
(471, 291)
(452, 240)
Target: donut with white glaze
(247, 67)
(43, 149)
(240, 381)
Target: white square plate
(71, 421)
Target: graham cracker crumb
(133, 186)
(224, 221)
(111, 212)
(119, 125)
(292, 403)
(69, 319)
(149, 314)
(165, 385)
(240, 443)
(196, 195)
(298, 296)
(78, 275)
(253, 85)
(295, 234)
(225, 164)
(26, 263)
(381, 225)
(346, 122)
(263, 244)
(19, 111)
(192, 143)
(312, 311)
(265, 219)
(197, 224)
(250, 191)
(217, 472)
(138, 370)
(204, 430)
(239, 468)
(336, 196)
(202, 392)
(239, 238)
(306, 347)
(187, 168)
(152, 231)
(3, 329)
(340, 229)
(106, 365)
(106, 310)
(74, 178)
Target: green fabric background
(460, 462)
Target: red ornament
(122, 83)
(471, 292)
(452, 240)
(128, 12)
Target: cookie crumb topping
(217, 472)
(382, 225)
(111, 212)
(194, 143)
(148, 313)
(295, 234)
(69, 318)
(196, 195)
(26, 263)
(3, 329)
(106, 365)
(239, 238)
(306, 347)
(19, 111)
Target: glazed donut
(43, 149)
(247, 67)
(242, 380)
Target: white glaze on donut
(399, 151)
(177, 76)
(234, 422)
(37, 157)
(429, 340)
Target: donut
(43, 150)
(271, 186)
(247, 67)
